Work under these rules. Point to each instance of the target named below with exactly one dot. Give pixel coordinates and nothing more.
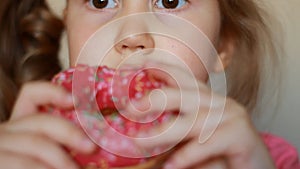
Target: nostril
(141, 47)
(124, 47)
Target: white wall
(57, 6)
(286, 120)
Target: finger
(58, 129)
(168, 134)
(37, 147)
(173, 76)
(215, 163)
(9, 160)
(160, 100)
(221, 144)
(182, 128)
(35, 94)
(196, 153)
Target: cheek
(80, 26)
(206, 17)
(76, 40)
(199, 65)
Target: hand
(35, 140)
(233, 138)
(216, 163)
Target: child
(236, 28)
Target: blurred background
(282, 117)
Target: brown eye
(101, 4)
(170, 4)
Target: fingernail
(70, 98)
(168, 165)
(133, 107)
(142, 134)
(136, 104)
(74, 166)
(141, 106)
(151, 62)
(88, 144)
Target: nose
(134, 37)
(135, 43)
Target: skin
(34, 140)
(205, 15)
(197, 12)
(224, 149)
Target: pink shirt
(284, 154)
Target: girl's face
(85, 17)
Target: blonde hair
(248, 24)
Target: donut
(100, 94)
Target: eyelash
(90, 6)
(154, 3)
(182, 6)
